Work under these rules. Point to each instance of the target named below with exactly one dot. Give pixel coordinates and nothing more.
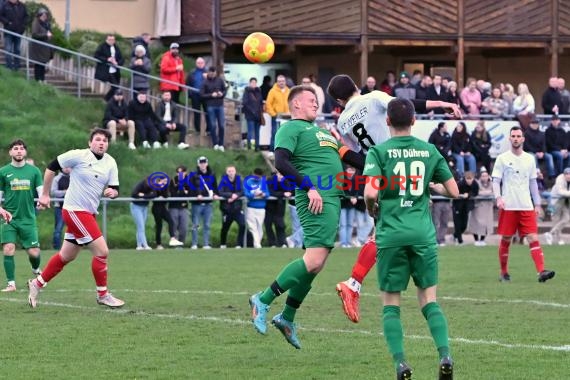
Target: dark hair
(515, 128)
(341, 87)
(181, 168)
(253, 78)
(401, 113)
(18, 142)
(298, 90)
(258, 171)
(266, 79)
(99, 131)
(440, 125)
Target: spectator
(295, 240)
(179, 209)
(203, 186)
(144, 41)
(441, 215)
(140, 63)
(213, 91)
(320, 93)
(523, 106)
(404, 89)
(275, 211)
(481, 143)
(494, 104)
(117, 118)
(252, 107)
(276, 104)
(561, 195)
(369, 86)
(348, 208)
(484, 88)
(140, 111)
(139, 210)
(195, 79)
(452, 96)
(441, 139)
(364, 222)
(160, 213)
(481, 217)
(167, 113)
(109, 58)
(41, 54)
(388, 83)
(422, 87)
(172, 70)
(552, 99)
(256, 191)
(564, 96)
(14, 16)
(59, 187)
(556, 144)
(416, 77)
(471, 97)
(461, 149)
(535, 144)
(509, 97)
(468, 190)
(265, 87)
(231, 189)
(437, 92)
(445, 82)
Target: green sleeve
(441, 172)
(286, 138)
(372, 166)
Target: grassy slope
(51, 122)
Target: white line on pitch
(482, 342)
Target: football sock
(34, 262)
(99, 269)
(295, 298)
(537, 255)
(53, 267)
(437, 324)
(394, 333)
(294, 273)
(365, 261)
(9, 267)
(504, 255)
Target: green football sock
(295, 298)
(35, 262)
(438, 327)
(294, 273)
(394, 333)
(9, 267)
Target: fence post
(78, 72)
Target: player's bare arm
(447, 189)
(111, 193)
(451, 108)
(371, 196)
(5, 215)
(44, 199)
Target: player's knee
(34, 252)
(9, 249)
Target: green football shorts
(319, 230)
(27, 232)
(395, 265)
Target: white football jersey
(88, 179)
(515, 173)
(362, 124)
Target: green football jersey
(406, 166)
(315, 155)
(19, 187)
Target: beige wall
(129, 18)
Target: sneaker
(288, 329)
(109, 300)
(290, 242)
(132, 146)
(34, 292)
(258, 313)
(207, 247)
(223, 246)
(194, 247)
(9, 288)
(221, 148)
(147, 248)
(549, 238)
(183, 145)
(561, 242)
(545, 275)
(482, 243)
(175, 242)
(159, 247)
(442, 244)
(350, 300)
(140, 248)
(446, 369)
(216, 147)
(145, 144)
(156, 145)
(505, 277)
(165, 145)
(238, 246)
(404, 371)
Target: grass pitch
(187, 317)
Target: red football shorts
(512, 220)
(81, 226)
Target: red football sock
(537, 255)
(99, 269)
(504, 254)
(365, 261)
(53, 267)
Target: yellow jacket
(277, 101)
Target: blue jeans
(216, 114)
(346, 225)
(296, 228)
(57, 227)
(364, 224)
(140, 213)
(559, 162)
(549, 164)
(203, 212)
(273, 132)
(461, 160)
(12, 45)
(253, 133)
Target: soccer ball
(258, 47)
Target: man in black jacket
(117, 118)
(275, 210)
(213, 91)
(204, 187)
(556, 144)
(146, 121)
(167, 112)
(14, 16)
(535, 144)
(179, 213)
(551, 99)
(231, 188)
(109, 58)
